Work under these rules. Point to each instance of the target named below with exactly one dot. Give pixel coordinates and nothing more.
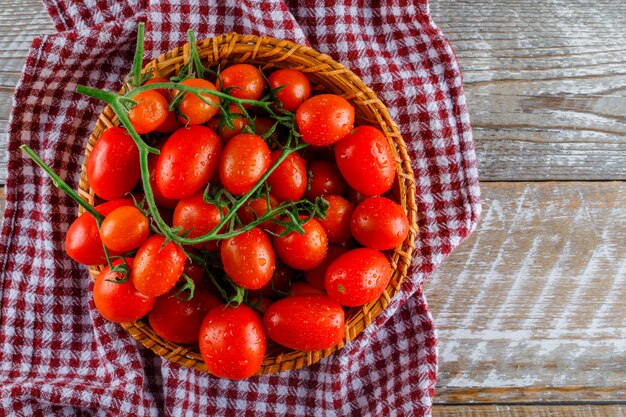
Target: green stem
(138, 59)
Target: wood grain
(552, 410)
(545, 85)
(531, 307)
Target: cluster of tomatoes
(295, 279)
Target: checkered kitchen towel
(58, 357)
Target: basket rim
(272, 52)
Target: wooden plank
(531, 307)
(544, 84)
(586, 410)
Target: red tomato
(159, 198)
(157, 268)
(379, 223)
(124, 229)
(113, 164)
(232, 342)
(337, 221)
(317, 276)
(224, 132)
(366, 161)
(149, 113)
(195, 272)
(305, 251)
(278, 285)
(256, 208)
(249, 259)
(246, 81)
(82, 242)
(244, 161)
(305, 322)
(325, 179)
(188, 161)
(325, 119)
(193, 213)
(301, 288)
(358, 277)
(171, 123)
(119, 302)
(296, 90)
(193, 110)
(288, 181)
(179, 321)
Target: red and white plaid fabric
(58, 357)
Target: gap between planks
(585, 410)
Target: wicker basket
(333, 77)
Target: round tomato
(256, 208)
(317, 276)
(305, 322)
(232, 342)
(301, 288)
(337, 221)
(193, 214)
(82, 242)
(243, 80)
(325, 179)
(149, 113)
(302, 251)
(288, 181)
(119, 302)
(179, 321)
(188, 161)
(113, 164)
(159, 198)
(244, 161)
(124, 229)
(249, 259)
(366, 161)
(379, 223)
(358, 277)
(157, 268)
(193, 110)
(171, 123)
(296, 90)
(325, 119)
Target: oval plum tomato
(171, 123)
(256, 208)
(325, 179)
(82, 242)
(124, 229)
(223, 130)
(301, 288)
(194, 214)
(289, 179)
(193, 110)
(244, 81)
(157, 268)
(188, 161)
(337, 221)
(305, 322)
(159, 198)
(149, 113)
(119, 302)
(296, 90)
(113, 164)
(366, 161)
(379, 223)
(179, 321)
(358, 277)
(325, 119)
(232, 342)
(317, 276)
(249, 259)
(244, 161)
(304, 251)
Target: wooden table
(531, 310)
